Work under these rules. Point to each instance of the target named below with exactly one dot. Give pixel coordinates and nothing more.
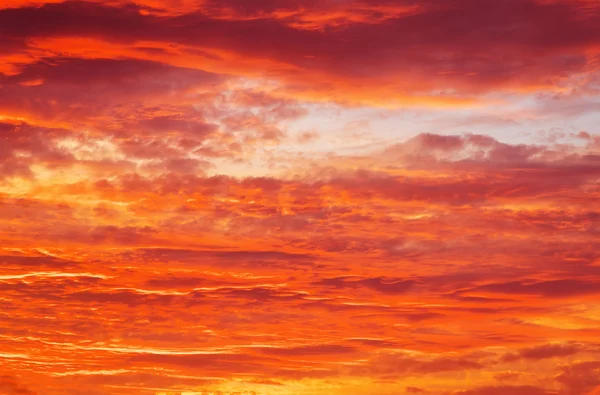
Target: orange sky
(299, 197)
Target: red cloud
(396, 50)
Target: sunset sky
(300, 197)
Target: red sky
(300, 197)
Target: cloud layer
(299, 197)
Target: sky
(299, 197)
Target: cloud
(9, 386)
(377, 284)
(517, 390)
(404, 365)
(240, 259)
(66, 84)
(553, 289)
(123, 235)
(25, 145)
(210, 363)
(305, 351)
(528, 52)
(579, 377)
(546, 351)
(131, 298)
(507, 375)
(229, 196)
(40, 261)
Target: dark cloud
(21, 261)
(502, 390)
(547, 351)
(121, 235)
(130, 298)
(389, 286)
(233, 259)
(579, 377)
(402, 365)
(10, 386)
(528, 38)
(553, 289)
